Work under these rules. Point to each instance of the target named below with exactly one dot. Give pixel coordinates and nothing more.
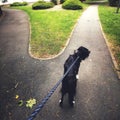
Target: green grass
(50, 29)
(111, 26)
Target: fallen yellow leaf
(30, 102)
(17, 96)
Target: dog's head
(83, 52)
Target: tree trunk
(118, 7)
(0, 11)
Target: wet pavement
(98, 89)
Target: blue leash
(45, 99)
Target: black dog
(70, 81)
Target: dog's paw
(60, 103)
(72, 103)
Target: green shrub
(62, 1)
(54, 1)
(19, 4)
(72, 4)
(24, 3)
(42, 5)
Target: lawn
(111, 27)
(50, 30)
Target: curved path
(98, 90)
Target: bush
(42, 5)
(19, 4)
(62, 1)
(72, 4)
(24, 3)
(54, 1)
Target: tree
(0, 11)
(118, 6)
(113, 2)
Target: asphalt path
(98, 89)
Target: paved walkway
(98, 90)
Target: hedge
(19, 4)
(42, 5)
(72, 4)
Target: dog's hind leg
(61, 100)
(71, 99)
